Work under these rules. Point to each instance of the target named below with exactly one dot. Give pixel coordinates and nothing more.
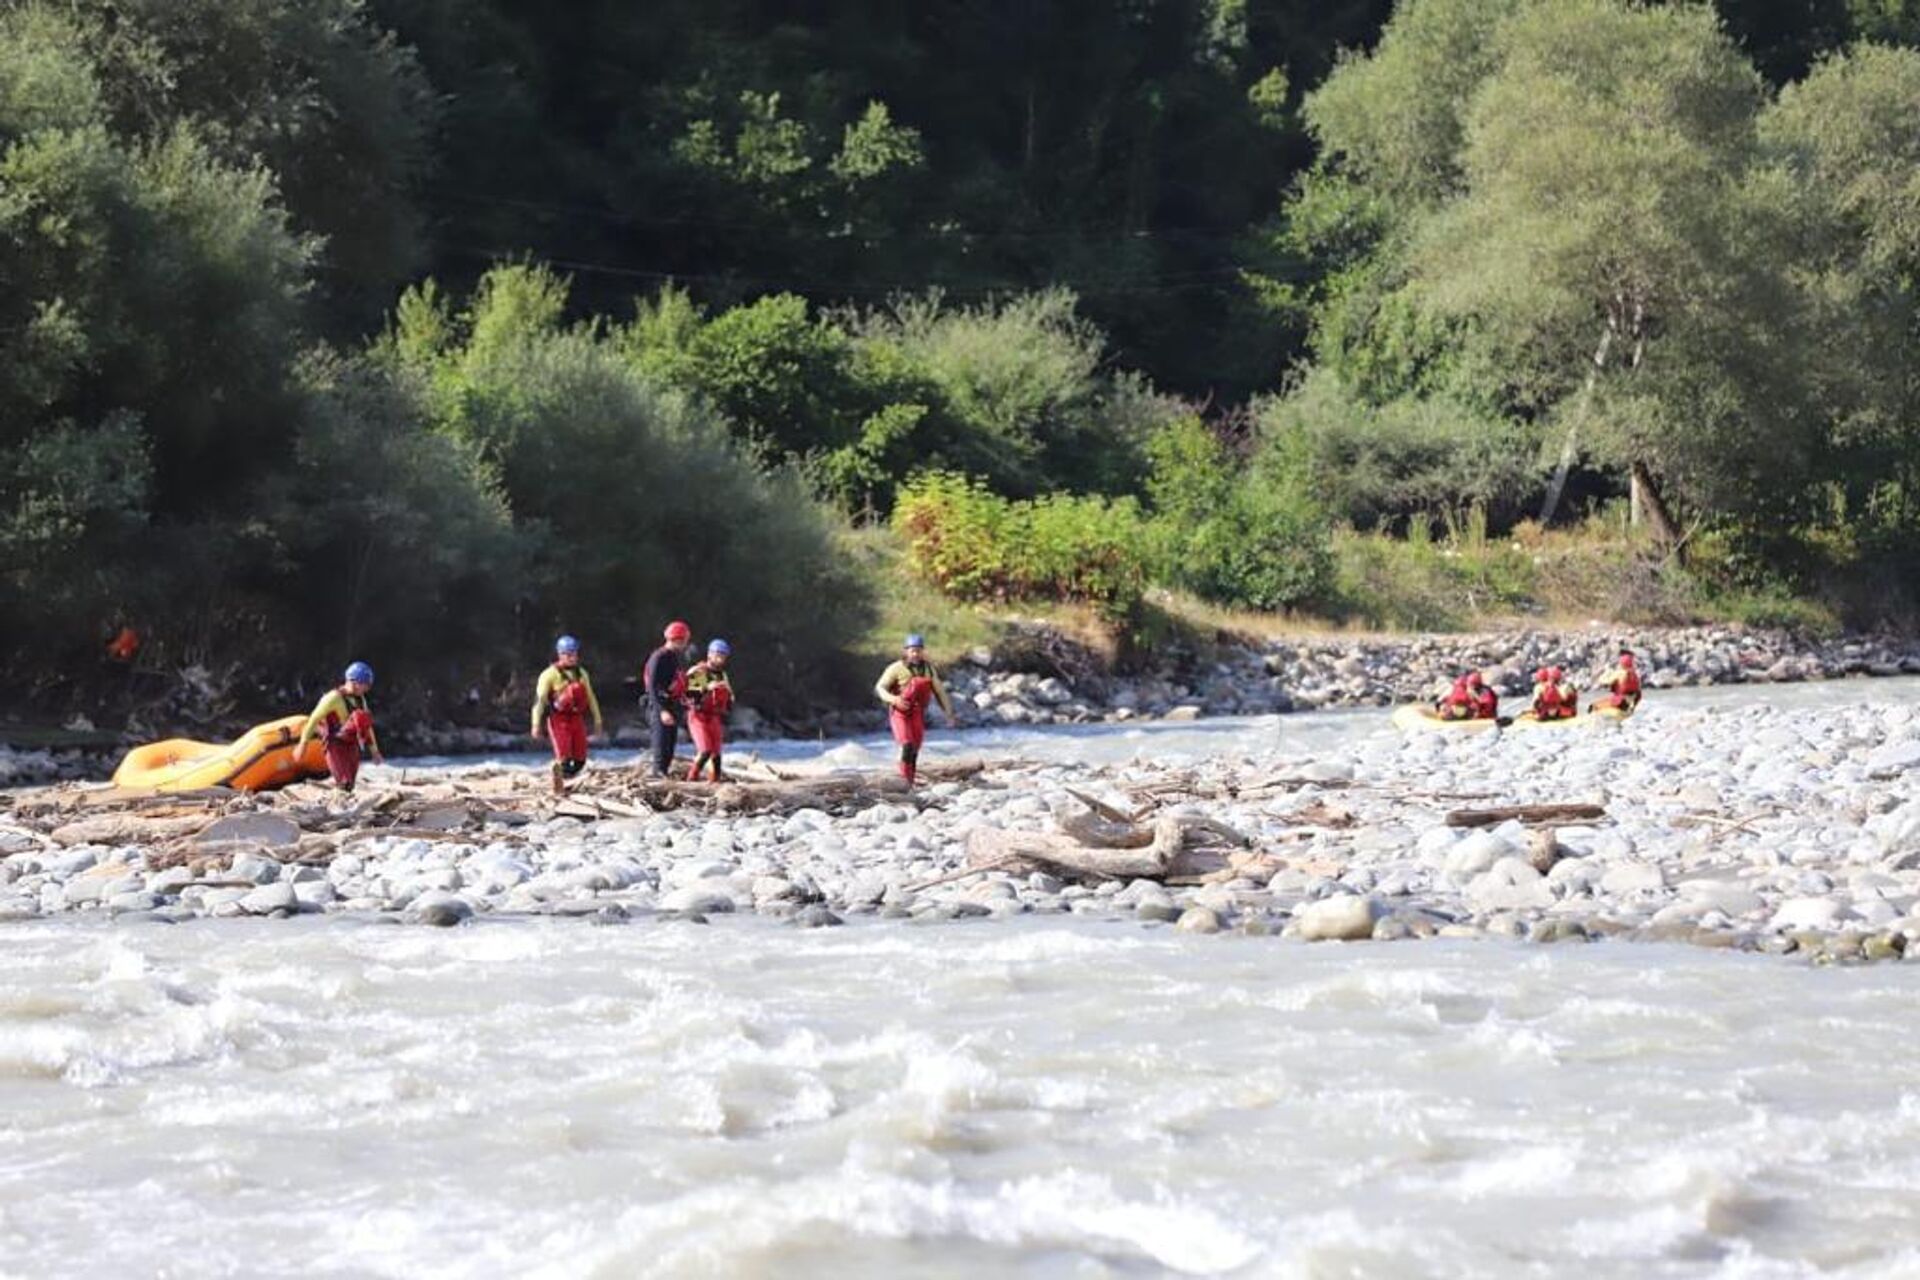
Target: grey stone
(1511, 885)
(254, 868)
(1159, 909)
(1198, 920)
(816, 916)
(269, 898)
(1625, 878)
(697, 899)
(441, 909)
(1808, 914)
(312, 895)
(1344, 917)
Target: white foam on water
(1043, 1098)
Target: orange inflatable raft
(258, 760)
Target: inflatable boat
(260, 759)
(1585, 720)
(1415, 718)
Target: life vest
(570, 699)
(709, 689)
(359, 718)
(917, 692)
(1554, 701)
(1486, 703)
(1627, 683)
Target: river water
(326, 1096)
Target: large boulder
(1344, 917)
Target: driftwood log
(1529, 813)
(1104, 845)
(829, 791)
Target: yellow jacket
(337, 705)
(550, 684)
(895, 677)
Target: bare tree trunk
(1559, 482)
(1647, 499)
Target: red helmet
(1626, 659)
(1474, 680)
(679, 632)
(1554, 675)
(1543, 675)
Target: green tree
(1848, 169)
(634, 502)
(150, 310)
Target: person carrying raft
(906, 687)
(1623, 686)
(709, 698)
(344, 724)
(561, 701)
(1554, 697)
(664, 681)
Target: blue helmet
(566, 645)
(720, 647)
(359, 673)
(915, 641)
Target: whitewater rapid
(321, 1097)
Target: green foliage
(633, 503)
(975, 545)
(392, 538)
(1396, 118)
(312, 91)
(1380, 464)
(1249, 540)
(1015, 392)
(1023, 398)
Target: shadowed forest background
(421, 330)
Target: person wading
(561, 702)
(344, 724)
(906, 687)
(709, 698)
(664, 684)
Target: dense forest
(420, 330)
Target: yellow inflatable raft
(260, 759)
(1586, 720)
(1415, 718)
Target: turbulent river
(1041, 1097)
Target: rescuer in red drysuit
(709, 698)
(562, 700)
(344, 724)
(1623, 686)
(907, 686)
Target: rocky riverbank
(1043, 678)
(1744, 827)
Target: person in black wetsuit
(664, 680)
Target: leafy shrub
(634, 503)
(1374, 465)
(975, 545)
(1251, 540)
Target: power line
(1207, 280)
